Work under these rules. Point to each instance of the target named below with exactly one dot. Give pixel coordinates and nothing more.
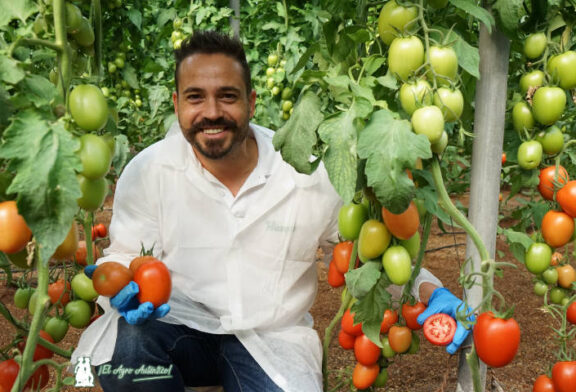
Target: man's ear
(252, 102)
(175, 101)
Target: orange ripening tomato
(67, 249)
(566, 275)
(547, 180)
(557, 228)
(14, 232)
(403, 225)
(364, 376)
(59, 291)
(341, 255)
(155, 283)
(111, 277)
(335, 277)
(503, 158)
(390, 318)
(400, 338)
(566, 197)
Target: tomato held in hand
(111, 277)
(439, 329)
(543, 383)
(411, 312)
(548, 178)
(496, 339)
(154, 282)
(564, 376)
(403, 225)
(14, 232)
(566, 197)
(366, 351)
(364, 376)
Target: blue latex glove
(443, 301)
(127, 303)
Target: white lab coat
(241, 265)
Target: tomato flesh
(439, 329)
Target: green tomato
(351, 217)
(276, 90)
(177, 44)
(177, 23)
(78, 313)
(443, 64)
(119, 62)
(414, 343)
(562, 67)
(381, 379)
(529, 155)
(88, 107)
(405, 56)
(387, 351)
(439, 147)
(270, 72)
(373, 239)
(287, 105)
(20, 259)
(32, 302)
(532, 79)
(272, 59)
(429, 121)
(557, 295)
(534, 45)
(395, 18)
(73, 18)
(438, 3)
(270, 83)
(93, 192)
(538, 257)
(412, 245)
(414, 95)
(176, 35)
(286, 93)
(83, 288)
(550, 275)
(22, 297)
(85, 34)
(95, 156)
(397, 264)
(451, 102)
(552, 140)
(522, 117)
(56, 328)
(548, 104)
(540, 288)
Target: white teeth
(213, 131)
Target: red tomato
(14, 232)
(346, 340)
(390, 318)
(81, 253)
(138, 261)
(400, 338)
(155, 283)
(564, 376)
(335, 277)
(557, 228)
(566, 197)
(496, 339)
(99, 231)
(8, 373)
(571, 313)
(439, 329)
(111, 277)
(503, 158)
(365, 351)
(40, 352)
(543, 383)
(348, 324)
(411, 312)
(547, 180)
(341, 255)
(59, 291)
(364, 376)
(403, 225)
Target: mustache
(219, 122)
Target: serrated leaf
(297, 137)
(121, 152)
(19, 9)
(373, 64)
(390, 147)
(370, 309)
(361, 280)
(43, 156)
(388, 81)
(39, 90)
(517, 237)
(130, 76)
(166, 15)
(10, 72)
(157, 95)
(135, 17)
(471, 7)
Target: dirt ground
(431, 369)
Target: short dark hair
(212, 42)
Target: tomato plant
(415, 94)
(366, 351)
(522, 117)
(335, 278)
(394, 18)
(348, 324)
(99, 231)
(532, 79)
(154, 282)
(534, 45)
(557, 228)
(496, 339)
(561, 67)
(93, 192)
(439, 329)
(110, 277)
(56, 327)
(95, 156)
(530, 155)
(538, 257)
(67, 249)
(551, 139)
(14, 232)
(443, 64)
(566, 275)
(81, 253)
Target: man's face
(212, 104)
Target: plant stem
(61, 40)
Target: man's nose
(212, 109)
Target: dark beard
(214, 149)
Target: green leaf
(135, 17)
(369, 310)
(361, 280)
(130, 76)
(470, 7)
(373, 64)
(6, 108)
(16, 9)
(166, 15)
(157, 95)
(509, 13)
(390, 147)
(38, 90)
(43, 156)
(10, 72)
(297, 137)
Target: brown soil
(431, 369)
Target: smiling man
(238, 229)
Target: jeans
(157, 357)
